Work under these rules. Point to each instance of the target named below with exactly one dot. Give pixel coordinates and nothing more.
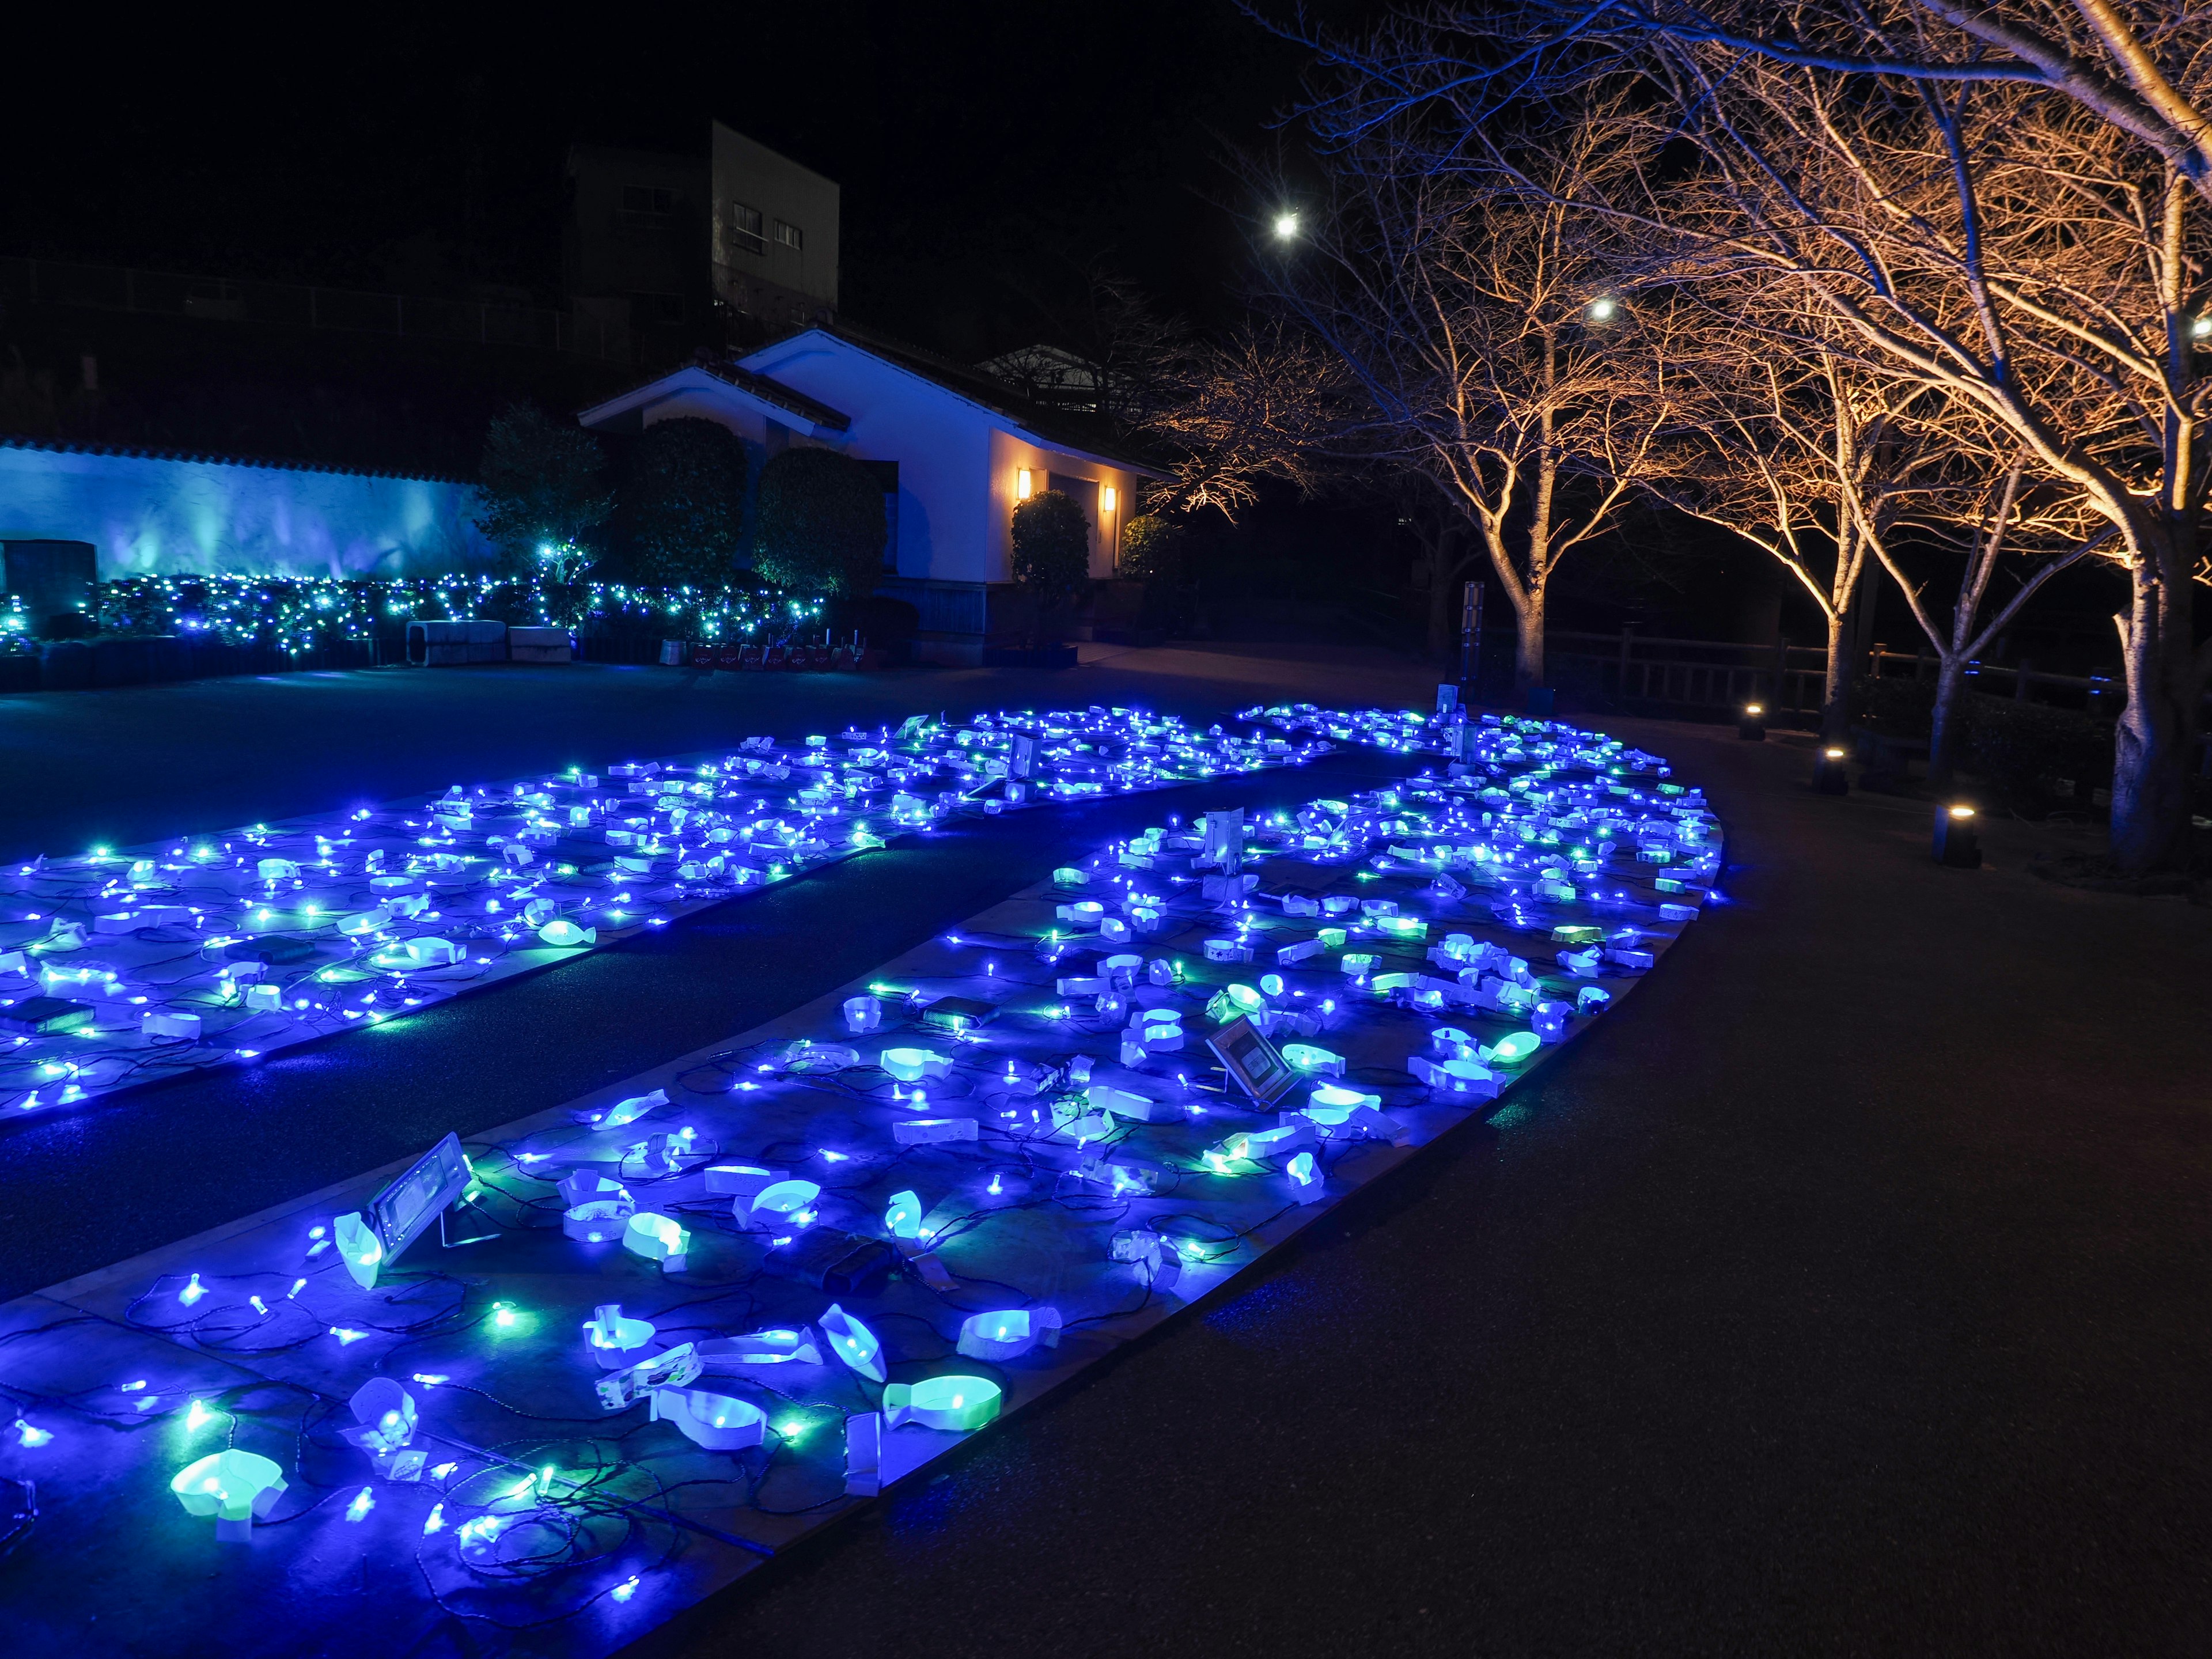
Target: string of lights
(796, 1269)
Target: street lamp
(1601, 311)
(1286, 226)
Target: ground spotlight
(1958, 842)
(1828, 775)
(1751, 725)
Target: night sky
(989, 153)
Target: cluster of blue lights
(118, 967)
(773, 1278)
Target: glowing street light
(1601, 311)
(1286, 226)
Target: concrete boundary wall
(152, 514)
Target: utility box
(449, 643)
(539, 645)
(52, 578)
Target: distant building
(733, 248)
(956, 451)
(1046, 375)
(774, 241)
(633, 239)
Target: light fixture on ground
(1751, 725)
(1829, 777)
(1958, 840)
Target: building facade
(774, 243)
(956, 452)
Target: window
(788, 235)
(647, 206)
(746, 228)
(646, 308)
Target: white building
(956, 451)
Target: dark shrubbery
(2019, 748)
(1896, 707)
(544, 486)
(2022, 747)
(819, 524)
(1051, 557)
(686, 497)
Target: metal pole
(1470, 636)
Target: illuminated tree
(2006, 206)
(1482, 331)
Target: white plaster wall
(943, 447)
(148, 516)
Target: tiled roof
(743, 380)
(134, 451)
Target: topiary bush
(1051, 557)
(1154, 548)
(544, 486)
(819, 523)
(687, 499)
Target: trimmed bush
(1154, 548)
(1052, 547)
(819, 524)
(545, 485)
(687, 502)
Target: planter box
(539, 645)
(448, 644)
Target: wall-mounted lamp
(1024, 484)
(1106, 498)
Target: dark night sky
(986, 151)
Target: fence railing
(224, 299)
(1705, 676)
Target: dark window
(656, 308)
(746, 228)
(647, 206)
(788, 235)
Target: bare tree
(2028, 251)
(1810, 459)
(2012, 524)
(1486, 334)
(1270, 402)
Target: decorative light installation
(855, 1346)
(954, 1405)
(225, 948)
(236, 1487)
(998, 1337)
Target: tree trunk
(2158, 728)
(1529, 641)
(1443, 560)
(1835, 683)
(1943, 731)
